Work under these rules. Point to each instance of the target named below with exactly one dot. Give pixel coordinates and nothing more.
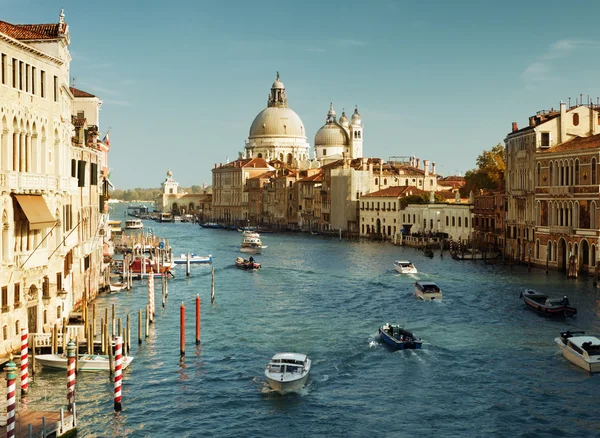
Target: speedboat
(85, 362)
(427, 290)
(398, 338)
(581, 350)
(547, 306)
(252, 244)
(288, 372)
(194, 259)
(405, 267)
(246, 264)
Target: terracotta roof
(576, 144)
(318, 177)
(79, 93)
(33, 31)
(395, 192)
(255, 162)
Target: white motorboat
(85, 362)
(252, 244)
(405, 267)
(134, 224)
(288, 372)
(117, 287)
(427, 290)
(581, 350)
(194, 259)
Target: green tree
(489, 172)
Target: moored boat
(85, 362)
(246, 264)
(287, 372)
(581, 350)
(541, 303)
(397, 337)
(134, 224)
(427, 290)
(144, 268)
(194, 259)
(405, 267)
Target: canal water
(488, 367)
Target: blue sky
(182, 81)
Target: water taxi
(288, 372)
(134, 224)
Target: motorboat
(288, 372)
(211, 225)
(117, 287)
(134, 224)
(85, 362)
(405, 267)
(541, 303)
(427, 290)
(252, 244)
(143, 266)
(246, 264)
(398, 338)
(581, 350)
(194, 259)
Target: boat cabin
(427, 287)
(585, 345)
(288, 363)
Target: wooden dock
(53, 425)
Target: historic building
(277, 133)
(176, 202)
(338, 138)
(51, 160)
(488, 219)
(530, 158)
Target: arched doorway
(378, 226)
(562, 255)
(585, 256)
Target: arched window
(577, 172)
(549, 251)
(459, 221)
(538, 180)
(551, 173)
(290, 196)
(385, 181)
(537, 249)
(466, 222)
(453, 221)
(376, 181)
(593, 255)
(17, 327)
(575, 119)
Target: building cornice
(30, 49)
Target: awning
(36, 210)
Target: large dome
(277, 122)
(330, 135)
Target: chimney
(364, 163)
(515, 127)
(418, 161)
(426, 167)
(433, 168)
(371, 168)
(563, 123)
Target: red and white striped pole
(71, 375)
(118, 365)
(11, 396)
(24, 361)
(151, 294)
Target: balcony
(35, 182)
(554, 229)
(561, 191)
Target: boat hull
(428, 296)
(540, 306)
(251, 250)
(193, 260)
(86, 362)
(286, 386)
(576, 358)
(399, 345)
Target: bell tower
(356, 134)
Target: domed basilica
(277, 133)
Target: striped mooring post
(118, 365)
(11, 391)
(71, 375)
(24, 361)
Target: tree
(489, 172)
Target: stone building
(51, 163)
(173, 200)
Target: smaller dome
(169, 174)
(356, 118)
(331, 135)
(343, 120)
(277, 84)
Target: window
(4, 298)
(58, 312)
(324, 152)
(594, 179)
(453, 221)
(42, 83)
(576, 172)
(545, 139)
(27, 69)
(32, 80)
(14, 73)
(17, 294)
(3, 66)
(459, 221)
(55, 88)
(447, 220)
(94, 174)
(74, 168)
(466, 222)
(21, 75)
(81, 173)
(17, 327)
(575, 119)
(59, 285)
